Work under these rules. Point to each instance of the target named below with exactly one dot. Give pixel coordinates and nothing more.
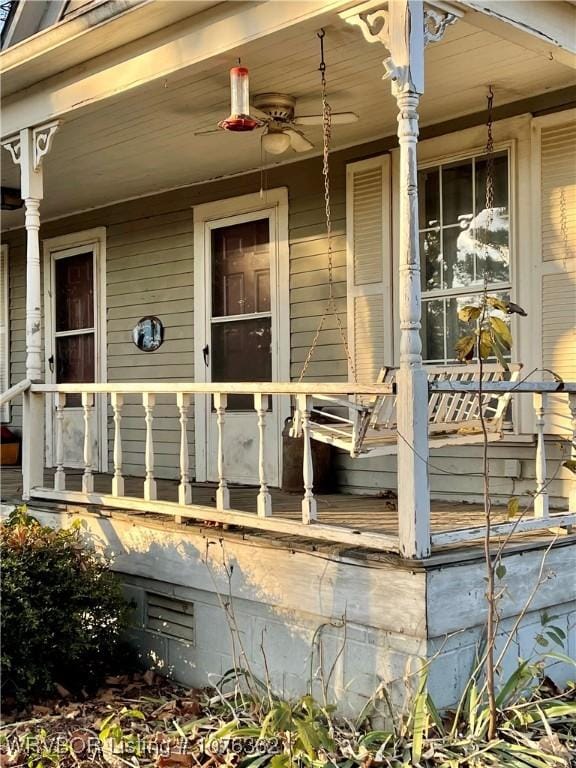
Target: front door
(72, 341)
(241, 340)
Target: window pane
(431, 260)
(455, 328)
(433, 330)
(429, 198)
(492, 226)
(457, 192)
(74, 292)
(241, 352)
(458, 258)
(241, 269)
(500, 181)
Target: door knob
(206, 353)
(51, 363)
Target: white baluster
(572, 406)
(309, 511)
(87, 478)
(60, 476)
(264, 503)
(184, 489)
(222, 493)
(148, 401)
(541, 501)
(117, 401)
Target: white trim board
(5, 330)
(227, 211)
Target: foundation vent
(170, 616)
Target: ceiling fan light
(275, 143)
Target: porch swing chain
(489, 170)
(331, 304)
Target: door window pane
(75, 362)
(74, 278)
(241, 269)
(241, 352)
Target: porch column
(27, 150)
(404, 29)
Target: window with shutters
(463, 245)
(4, 332)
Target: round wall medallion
(148, 334)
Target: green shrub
(62, 611)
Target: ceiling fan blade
(258, 113)
(299, 142)
(207, 131)
(338, 118)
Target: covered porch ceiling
(142, 141)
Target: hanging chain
(489, 201)
(490, 153)
(331, 307)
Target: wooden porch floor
(362, 513)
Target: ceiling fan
(275, 112)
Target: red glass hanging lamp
(240, 118)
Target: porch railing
(535, 516)
(539, 517)
(264, 519)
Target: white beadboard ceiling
(144, 141)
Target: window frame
(472, 154)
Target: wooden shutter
(558, 275)
(369, 298)
(4, 332)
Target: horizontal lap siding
(309, 285)
(17, 321)
(149, 271)
(456, 473)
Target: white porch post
(27, 150)
(404, 29)
(407, 44)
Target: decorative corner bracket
(374, 23)
(42, 138)
(42, 141)
(14, 146)
(435, 24)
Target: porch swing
(367, 427)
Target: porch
(367, 523)
(358, 514)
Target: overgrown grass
(164, 726)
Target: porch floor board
(363, 513)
